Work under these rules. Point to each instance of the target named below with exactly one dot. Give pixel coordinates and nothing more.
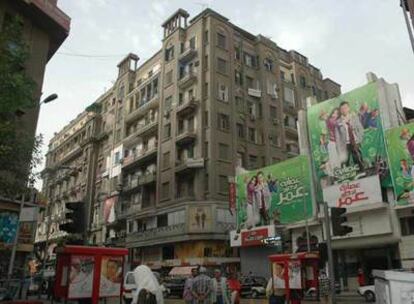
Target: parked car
(254, 287)
(129, 287)
(174, 287)
(368, 292)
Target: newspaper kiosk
(296, 271)
(92, 273)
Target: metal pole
(48, 224)
(305, 210)
(15, 242)
(410, 32)
(331, 273)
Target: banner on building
(400, 142)
(109, 209)
(355, 193)
(200, 219)
(8, 228)
(347, 139)
(278, 193)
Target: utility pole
(331, 272)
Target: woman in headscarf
(148, 289)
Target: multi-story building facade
(45, 27)
(68, 177)
(172, 131)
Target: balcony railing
(186, 136)
(146, 153)
(189, 163)
(254, 92)
(187, 79)
(187, 106)
(156, 233)
(187, 54)
(143, 108)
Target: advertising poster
(401, 156)
(8, 227)
(294, 274)
(355, 193)
(200, 218)
(347, 139)
(81, 277)
(278, 193)
(111, 276)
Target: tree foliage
(19, 151)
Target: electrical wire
(89, 55)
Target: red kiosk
(84, 272)
(296, 270)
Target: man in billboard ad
(111, 276)
(346, 138)
(278, 193)
(400, 142)
(81, 277)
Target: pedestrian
(148, 289)
(361, 277)
(275, 289)
(324, 287)
(187, 294)
(201, 288)
(234, 288)
(220, 292)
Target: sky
(345, 39)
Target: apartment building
(67, 177)
(172, 130)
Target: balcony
(132, 184)
(187, 55)
(156, 233)
(147, 178)
(185, 137)
(291, 130)
(187, 79)
(254, 92)
(289, 107)
(292, 150)
(143, 108)
(148, 153)
(187, 107)
(189, 164)
(150, 126)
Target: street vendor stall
(297, 272)
(84, 272)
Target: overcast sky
(345, 39)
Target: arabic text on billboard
(277, 193)
(400, 142)
(347, 139)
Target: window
(240, 130)
(206, 62)
(205, 88)
(223, 151)
(282, 75)
(167, 104)
(166, 160)
(289, 96)
(221, 65)
(239, 103)
(238, 78)
(205, 119)
(268, 64)
(205, 37)
(167, 130)
(251, 108)
(206, 182)
(290, 121)
(192, 43)
(252, 134)
(249, 82)
(165, 190)
(168, 78)
(223, 92)
(190, 152)
(273, 112)
(250, 60)
(221, 40)
(407, 225)
(208, 252)
(292, 78)
(259, 110)
(274, 139)
(252, 161)
(223, 184)
(155, 87)
(206, 149)
(271, 87)
(302, 80)
(240, 159)
(237, 53)
(162, 220)
(117, 158)
(169, 53)
(223, 121)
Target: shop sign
(254, 237)
(354, 193)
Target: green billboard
(400, 142)
(280, 193)
(347, 139)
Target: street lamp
(49, 98)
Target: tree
(19, 151)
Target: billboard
(347, 138)
(8, 227)
(355, 193)
(200, 219)
(279, 193)
(400, 142)
(81, 277)
(111, 276)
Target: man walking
(201, 288)
(188, 294)
(220, 292)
